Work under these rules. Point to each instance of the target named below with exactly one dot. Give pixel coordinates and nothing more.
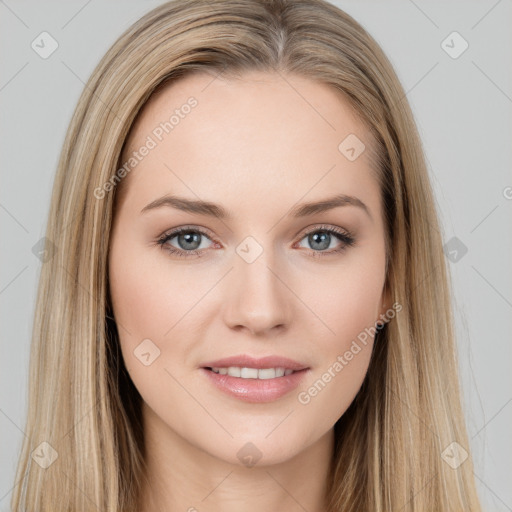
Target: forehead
(248, 134)
(242, 101)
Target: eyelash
(343, 236)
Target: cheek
(346, 299)
(348, 306)
(149, 299)
(149, 294)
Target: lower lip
(256, 390)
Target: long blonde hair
(389, 443)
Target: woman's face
(256, 272)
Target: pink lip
(255, 390)
(247, 361)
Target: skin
(257, 145)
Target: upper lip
(247, 361)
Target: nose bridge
(257, 298)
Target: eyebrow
(215, 210)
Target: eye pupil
(185, 239)
(320, 237)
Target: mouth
(256, 385)
(248, 367)
(255, 379)
(253, 373)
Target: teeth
(233, 371)
(248, 373)
(253, 373)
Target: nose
(257, 298)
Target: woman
(248, 305)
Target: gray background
(463, 110)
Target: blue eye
(321, 238)
(190, 241)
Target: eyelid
(322, 227)
(186, 227)
(343, 235)
(171, 233)
(303, 232)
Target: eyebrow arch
(215, 210)
(330, 203)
